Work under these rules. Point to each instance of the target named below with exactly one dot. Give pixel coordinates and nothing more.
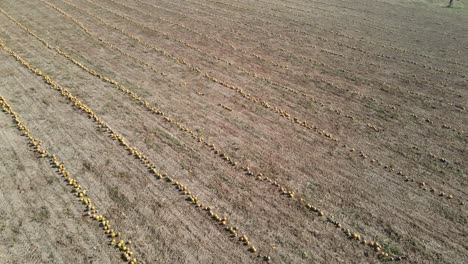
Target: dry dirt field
(233, 131)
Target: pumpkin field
(233, 131)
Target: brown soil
(380, 85)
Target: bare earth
(351, 117)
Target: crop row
(221, 221)
(278, 188)
(77, 189)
